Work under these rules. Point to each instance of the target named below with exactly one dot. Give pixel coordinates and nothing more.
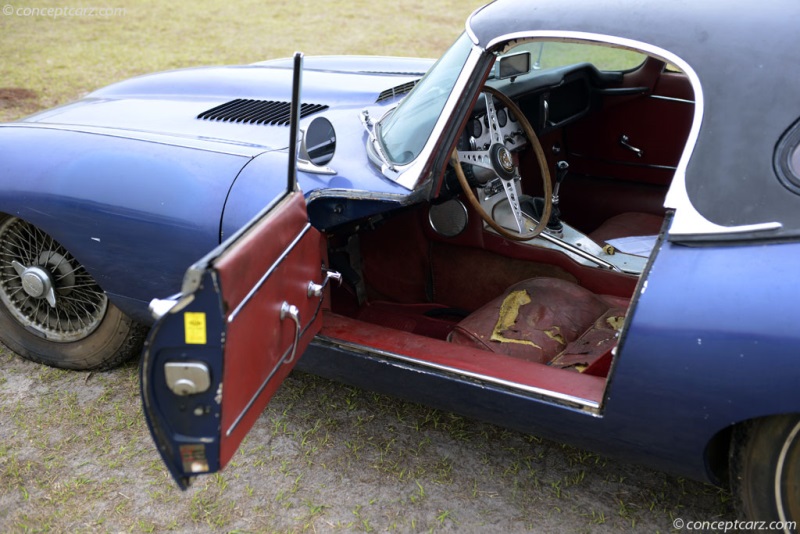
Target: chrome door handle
(624, 140)
(291, 311)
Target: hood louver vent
(394, 91)
(249, 111)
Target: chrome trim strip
(687, 221)
(257, 394)
(778, 468)
(354, 194)
(310, 168)
(578, 251)
(671, 99)
(539, 392)
(247, 298)
(220, 146)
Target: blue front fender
(133, 212)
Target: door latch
(187, 378)
(315, 290)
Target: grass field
(57, 58)
(75, 454)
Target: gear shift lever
(554, 225)
(534, 206)
(562, 167)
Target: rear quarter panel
(713, 342)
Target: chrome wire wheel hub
(44, 287)
(36, 282)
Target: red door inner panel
(259, 279)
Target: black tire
(765, 469)
(51, 309)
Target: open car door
(245, 314)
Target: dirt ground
(76, 456)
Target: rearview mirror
(513, 65)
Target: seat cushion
(593, 345)
(534, 319)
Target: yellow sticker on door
(195, 326)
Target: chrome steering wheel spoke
(479, 158)
(495, 133)
(510, 188)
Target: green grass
(58, 59)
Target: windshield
(404, 132)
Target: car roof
(744, 54)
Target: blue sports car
(582, 221)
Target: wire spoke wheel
(44, 287)
(52, 311)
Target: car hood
(167, 106)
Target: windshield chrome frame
(409, 175)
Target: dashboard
(554, 98)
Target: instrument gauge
(474, 128)
(502, 117)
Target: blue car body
(135, 175)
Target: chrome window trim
(687, 220)
(253, 290)
(587, 405)
(671, 99)
(470, 32)
(410, 175)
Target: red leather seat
(545, 319)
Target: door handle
(624, 140)
(291, 311)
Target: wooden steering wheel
(498, 159)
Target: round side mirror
(319, 142)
